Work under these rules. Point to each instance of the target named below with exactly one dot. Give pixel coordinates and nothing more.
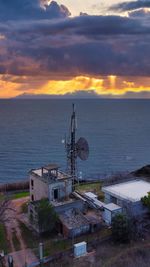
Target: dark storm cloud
(64, 47)
(78, 27)
(128, 6)
(31, 9)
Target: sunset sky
(75, 47)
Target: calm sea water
(31, 133)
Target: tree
(5, 210)
(146, 200)
(120, 228)
(47, 216)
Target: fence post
(41, 246)
(10, 261)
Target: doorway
(55, 193)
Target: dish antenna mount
(79, 149)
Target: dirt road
(24, 255)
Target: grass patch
(54, 246)
(3, 240)
(92, 187)
(2, 197)
(16, 241)
(20, 195)
(30, 240)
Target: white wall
(39, 190)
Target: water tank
(80, 249)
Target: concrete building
(73, 223)
(128, 196)
(75, 218)
(110, 210)
(56, 186)
(49, 182)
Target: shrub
(47, 216)
(120, 228)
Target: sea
(32, 135)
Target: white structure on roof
(128, 195)
(91, 195)
(80, 249)
(110, 210)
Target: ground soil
(24, 255)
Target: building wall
(108, 215)
(80, 230)
(32, 214)
(135, 208)
(129, 207)
(70, 233)
(64, 188)
(38, 188)
(107, 198)
(78, 204)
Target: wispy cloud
(130, 5)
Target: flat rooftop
(43, 174)
(132, 190)
(112, 207)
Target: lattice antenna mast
(71, 145)
(79, 149)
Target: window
(32, 184)
(32, 197)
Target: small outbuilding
(80, 249)
(110, 210)
(128, 195)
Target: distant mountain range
(80, 94)
(84, 95)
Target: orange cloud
(76, 84)
(102, 86)
(12, 86)
(8, 89)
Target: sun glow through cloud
(109, 85)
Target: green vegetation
(120, 228)
(2, 197)
(3, 240)
(16, 241)
(24, 207)
(92, 187)
(146, 200)
(47, 216)
(110, 255)
(53, 246)
(27, 235)
(135, 255)
(20, 195)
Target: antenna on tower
(75, 149)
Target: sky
(82, 48)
